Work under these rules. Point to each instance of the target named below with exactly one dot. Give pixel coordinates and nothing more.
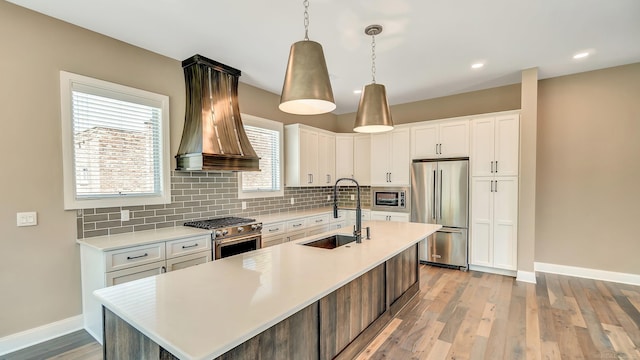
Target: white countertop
(206, 310)
(120, 241)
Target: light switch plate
(27, 218)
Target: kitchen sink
(331, 242)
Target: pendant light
(306, 89)
(373, 111)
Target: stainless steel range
(231, 235)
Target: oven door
(236, 245)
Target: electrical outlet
(27, 218)
(244, 205)
(124, 215)
(353, 197)
(292, 201)
(328, 197)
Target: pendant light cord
(306, 19)
(373, 58)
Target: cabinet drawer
(188, 246)
(271, 241)
(298, 224)
(186, 261)
(338, 225)
(273, 229)
(296, 235)
(134, 273)
(318, 229)
(319, 220)
(134, 256)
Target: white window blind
(115, 146)
(266, 139)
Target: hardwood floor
(475, 315)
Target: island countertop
(206, 310)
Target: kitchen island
(292, 300)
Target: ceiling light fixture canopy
(307, 89)
(373, 111)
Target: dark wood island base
(338, 326)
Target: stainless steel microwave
(390, 199)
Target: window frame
(69, 81)
(270, 125)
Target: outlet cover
(244, 205)
(353, 197)
(292, 201)
(124, 215)
(27, 218)
(328, 197)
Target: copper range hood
(213, 138)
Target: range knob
(256, 227)
(218, 233)
(240, 229)
(225, 232)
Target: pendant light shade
(307, 89)
(373, 114)
(373, 111)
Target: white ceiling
(425, 51)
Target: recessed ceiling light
(581, 55)
(477, 65)
(357, 91)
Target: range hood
(213, 138)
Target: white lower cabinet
(107, 268)
(389, 216)
(494, 218)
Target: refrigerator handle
(433, 213)
(440, 210)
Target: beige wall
(39, 266)
(477, 102)
(588, 170)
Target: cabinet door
(134, 273)
(326, 159)
(400, 160)
(399, 217)
(481, 222)
(424, 142)
(308, 158)
(454, 139)
(482, 147)
(380, 157)
(183, 262)
(362, 159)
(505, 218)
(344, 156)
(507, 135)
(378, 216)
(273, 240)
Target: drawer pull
(297, 225)
(275, 229)
(137, 257)
(189, 246)
(319, 220)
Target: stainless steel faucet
(357, 232)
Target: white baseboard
(595, 274)
(492, 270)
(21, 340)
(526, 276)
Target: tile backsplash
(202, 195)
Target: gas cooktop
(218, 223)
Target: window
(115, 144)
(266, 138)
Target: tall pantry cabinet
(494, 161)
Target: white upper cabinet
(495, 145)
(390, 158)
(353, 158)
(309, 156)
(345, 156)
(442, 139)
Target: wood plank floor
(474, 315)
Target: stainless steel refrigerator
(440, 195)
